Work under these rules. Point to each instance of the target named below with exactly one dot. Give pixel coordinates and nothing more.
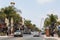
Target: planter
(2, 34)
(47, 32)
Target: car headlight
(14, 33)
(19, 33)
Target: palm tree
(50, 22)
(2, 16)
(50, 19)
(11, 12)
(46, 22)
(17, 18)
(53, 18)
(8, 11)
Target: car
(18, 33)
(36, 34)
(42, 33)
(27, 32)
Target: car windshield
(35, 33)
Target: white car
(36, 34)
(42, 33)
(18, 33)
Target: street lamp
(12, 3)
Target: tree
(2, 15)
(50, 22)
(17, 18)
(46, 22)
(11, 12)
(27, 23)
(37, 29)
(50, 19)
(30, 25)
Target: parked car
(18, 33)
(42, 33)
(36, 34)
(27, 31)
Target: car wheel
(21, 36)
(15, 36)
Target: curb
(52, 37)
(6, 36)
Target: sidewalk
(5, 36)
(55, 37)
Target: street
(11, 38)
(18, 38)
(25, 37)
(30, 37)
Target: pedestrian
(39, 33)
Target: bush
(2, 34)
(58, 33)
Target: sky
(35, 10)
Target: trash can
(47, 32)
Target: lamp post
(12, 3)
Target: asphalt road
(30, 37)
(25, 37)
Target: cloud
(44, 1)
